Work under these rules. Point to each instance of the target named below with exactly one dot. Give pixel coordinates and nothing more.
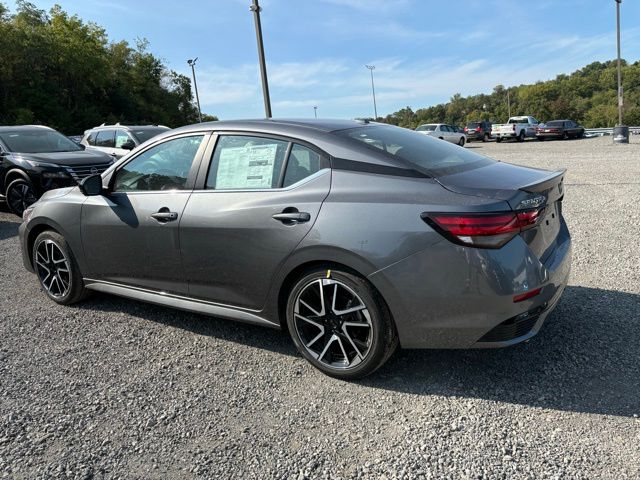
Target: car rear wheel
(340, 324)
(499, 139)
(57, 270)
(20, 194)
(521, 136)
(461, 142)
(565, 136)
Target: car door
(105, 141)
(254, 205)
(131, 233)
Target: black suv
(34, 159)
(478, 130)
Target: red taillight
(482, 230)
(524, 296)
(478, 129)
(466, 129)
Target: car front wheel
(20, 195)
(57, 271)
(340, 324)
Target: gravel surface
(113, 388)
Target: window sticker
(250, 166)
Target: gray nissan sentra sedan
(353, 236)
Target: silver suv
(117, 140)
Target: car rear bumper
(450, 296)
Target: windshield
(37, 141)
(144, 134)
(428, 154)
(426, 128)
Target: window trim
(191, 177)
(207, 161)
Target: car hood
(81, 157)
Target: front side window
(301, 164)
(165, 166)
(244, 162)
(105, 138)
(122, 137)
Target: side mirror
(128, 145)
(91, 185)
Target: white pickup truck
(517, 127)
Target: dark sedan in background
(34, 159)
(559, 129)
(478, 131)
(352, 236)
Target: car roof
(23, 128)
(283, 125)
(127, 127)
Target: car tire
(565, 136)
(521, 136)
(498, 139)
(57, 269)
(19, 195)
(347, 335)
(581, 134)
(461, 142)
(485, 137)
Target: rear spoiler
(546, 183)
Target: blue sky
(424, 50)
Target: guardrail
(609, 130)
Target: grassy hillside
(587, 96)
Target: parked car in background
(443, 131)
(478, 130)
(517, 128)
(559, 129)
(34, 159)
(75, 138)
(117, 140)
(353, 237)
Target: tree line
(59, 71)
(587, 95)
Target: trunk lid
(523, 188)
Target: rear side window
(91, 140)
(302, 163)
(105, 138)
(244, 162)
(121, 138)
(418, 151)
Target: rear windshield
(37, 141)
(144, 134)
(422, 152)
(519, 120)
(555, 123)
(473, 125)
(426, 128)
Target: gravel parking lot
(113, 388)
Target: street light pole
(192, 63)
(255, 8)
(373, 91)
(315, 111)
(618, 2)
(509, 102)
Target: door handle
(164, 215)
(290, 218)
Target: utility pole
(618, 2)
(192, 63)
(315, 111)
(509, 102)
(373, 90)
(620, 131)
(255, 8)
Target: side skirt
(179, 302)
